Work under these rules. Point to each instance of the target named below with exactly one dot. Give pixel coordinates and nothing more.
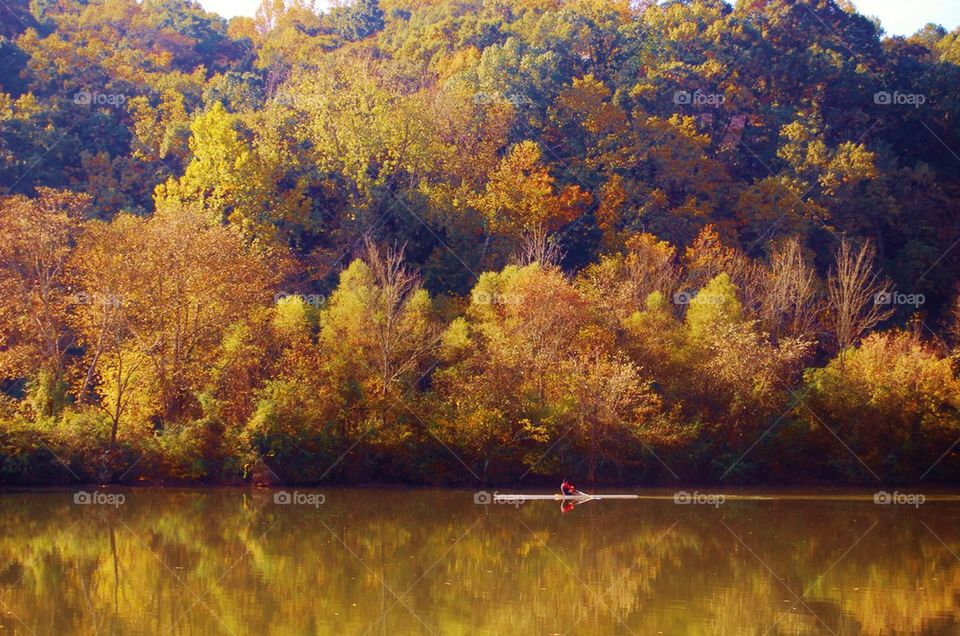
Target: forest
(456, 242)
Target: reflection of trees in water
(460, 568)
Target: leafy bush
(894, 401)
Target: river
(385, 561)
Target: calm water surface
(434, 562)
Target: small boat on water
(511, 498)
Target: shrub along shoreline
(536, 375)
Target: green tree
(358, 19)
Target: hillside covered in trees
(477, 241)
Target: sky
(899, 17)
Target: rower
(568, 489)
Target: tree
(237, 183)
(708, 256)
(522, 199)
(742, 380)
(99, 269)
(378, 338)
(192, 279)
(854, 291)
(615, 407)
(791, 303)
(289, 34)
(715, 306)
(532, 364)
(34, 335)
(620, 284)
(363, 127)
(894, 401)
(502, 386)
(358, 19)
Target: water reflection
(427, 562)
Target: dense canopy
(457, 241)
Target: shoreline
(654, 493)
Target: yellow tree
(523, 200)
(810, 158)
(708, 256)
(466, 137)
(621, 284)
(168, 307)
(34, 335)
(362, 124)
(218, 159)
(614, 405)
(100, 269)
(378, 337)
(894, 401)
(531, 363)
(741, 379)
(163, 131)
(233, 181)
(503, 372)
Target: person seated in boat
(568, 489)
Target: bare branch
(853, 289)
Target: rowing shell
(516, 498)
